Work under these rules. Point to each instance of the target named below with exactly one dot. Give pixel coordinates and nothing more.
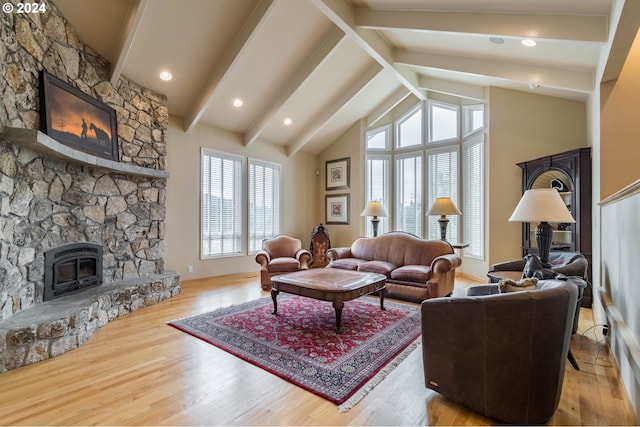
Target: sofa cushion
(380, 267)
(347, 263)
(412, 273)
(283, 264)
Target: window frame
(429, 123)
(277, 190)
(419, 107)
(239, 190)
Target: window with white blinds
(221, 192)
(473, 187)
(264, 202)
(442, 181)
(377, 184)
(408, 194)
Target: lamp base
(544, 235)
(374, 223)
(444, 222)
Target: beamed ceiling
(328, 63)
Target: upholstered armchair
(501, 355)
(280, 255)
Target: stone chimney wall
(45, 201)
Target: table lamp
(375, 209)
(443, 206)
(543, 205)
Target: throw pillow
(508, 285)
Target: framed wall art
(338, 174)
(337, 208)
(77, 120)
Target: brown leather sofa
(416, 269)
(279, 255)
(501, 355)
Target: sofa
(416, 269)
(501, 355)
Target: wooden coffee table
(329, 284)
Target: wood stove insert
(71, 268)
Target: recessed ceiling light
(496, 40)
(237, 102)
(287, 121)
(529, 42)
(165, 75)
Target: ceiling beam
(585, 28)
(125, 43)
(387, 105)
(581, 81)
(303, 72)
(226, 64)
(337, 105)
(342, 14)
(449, 87)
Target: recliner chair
(501, 355)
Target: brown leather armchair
(501, 355)
(279, 255)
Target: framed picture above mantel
(77, 120)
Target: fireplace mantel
(42, 143)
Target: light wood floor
(139, 371)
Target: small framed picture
(338, 174)
(337, 208)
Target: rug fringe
(365, 389)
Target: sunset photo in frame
(337, 209)
(338, 174)
(75, 119)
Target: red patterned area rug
(301, 345)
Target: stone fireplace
(52, 196)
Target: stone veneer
(46, 201)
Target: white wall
(618, 293)
(299, 202)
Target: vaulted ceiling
(325, 64)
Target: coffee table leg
(338, 305)
(274, 295)
(383, 291)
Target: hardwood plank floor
(137, 370)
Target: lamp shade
(443, 206)
(542, 204)
(374, 208)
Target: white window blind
(408, 194)
(221, 194)
(377, 184)
(443, 182)
(264, 202)
(473, 187)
